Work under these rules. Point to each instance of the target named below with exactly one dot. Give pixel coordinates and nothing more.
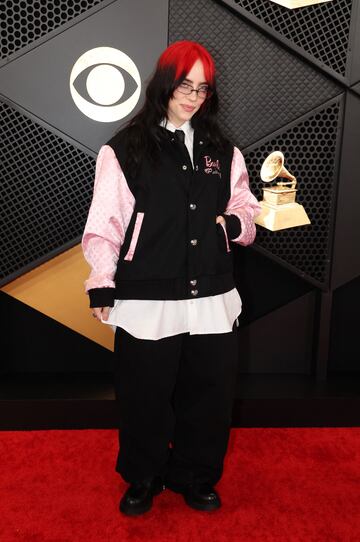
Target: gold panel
(56, 288)
(292, 4)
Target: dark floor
(86, 400)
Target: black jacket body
(180, 252)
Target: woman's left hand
(220, 219)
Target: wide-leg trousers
(174, 398)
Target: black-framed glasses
(202, 92)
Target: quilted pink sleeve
(242, 203)
(109, 215)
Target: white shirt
(155, 319)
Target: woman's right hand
(101, 312)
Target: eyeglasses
(202, 92)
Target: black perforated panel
(310, 149)
(23, 22)
(321, 30)
(45, 192)
(262, 86)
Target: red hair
(182, 55)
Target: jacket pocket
(223, 233)
(135, 236)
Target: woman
(171, 195)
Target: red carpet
(279, 485)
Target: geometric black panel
(262, 85)
(29, 342)
(297, 318)
(24, 22)
(321, 30)
(346, 253)
(37, 77)
(310, 147)
(46, 189)
(344, 336)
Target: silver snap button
(184, 167)
(200, 142)
(194, 292)
(192, 206)
(193, 282)
(193, 242)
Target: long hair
(144, 132)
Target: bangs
(182, 55)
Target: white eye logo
(105, 84)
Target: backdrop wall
(289, 79)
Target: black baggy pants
(174, 398)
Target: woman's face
(182, 107)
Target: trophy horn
(273, 167)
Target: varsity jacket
(155, 236)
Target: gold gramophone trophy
(279, 208)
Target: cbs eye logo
(105, 84)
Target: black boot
(138, 497)
(198, 495)
(202, 496)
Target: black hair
(144, 134)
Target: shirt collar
(186, 127)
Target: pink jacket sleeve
(242, 206)
(109, 215)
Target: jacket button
(200, 142)
(196, 168)
(193, 242)
(194, 292)
(193, 282)
(184, 167)
(192, 206)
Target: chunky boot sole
(190, 500)
(129, 511)
(205, 507)
(140, 508)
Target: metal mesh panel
(46, 189)
(321, 30)
(310, 154)
(24, 22)
(262, 86)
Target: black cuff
(233, 226)
(101, 297)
